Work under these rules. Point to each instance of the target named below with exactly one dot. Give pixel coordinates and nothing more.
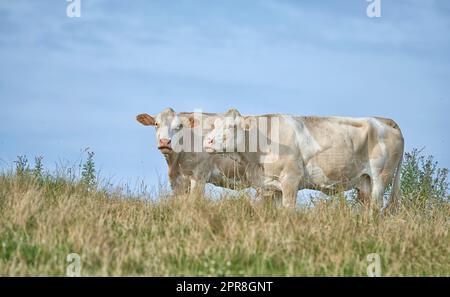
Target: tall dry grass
(43, 220)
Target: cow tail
(395, 194)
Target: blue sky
(71, 83)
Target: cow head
(167, 123)
(227, 134)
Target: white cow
(329, 154)
(190, 170)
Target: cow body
(329, 154)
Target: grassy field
(42, 220)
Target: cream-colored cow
(190, 170)
(328, 154)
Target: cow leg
(378, 189)
(290, 179)
(277, 198)
(364, 190)
(197, 187)
(179, 185)
(263, 196)
(289, 194)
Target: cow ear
(146, 119)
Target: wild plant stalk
(38, 170)
(21, 165)
(424, 183)
(88, 174)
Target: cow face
(227, 134)
(167, 124)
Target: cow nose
(164, 142)
(210, 141)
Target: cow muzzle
(165, 145)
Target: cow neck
(172, 159)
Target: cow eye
(157, 124)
